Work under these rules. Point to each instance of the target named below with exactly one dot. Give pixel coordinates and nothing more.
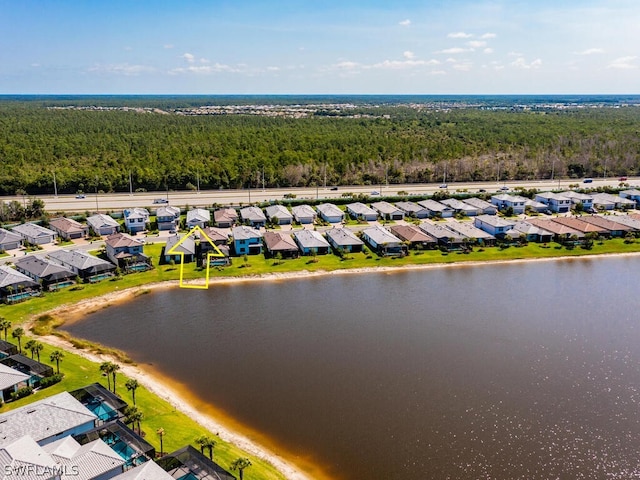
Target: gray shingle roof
(198, 215)
(146, 471)
(42, 268)
(10, 277)
(44, 419)
(253, 214)
(343, 237)
(303, 211)
(243, 232)
(78, 259)
(34, 231)
(278, 211)
(10, 377)
(187, 245)
(310, 239)
(381, 235)
(100, 221)
(85, 461)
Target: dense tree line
(103, 150)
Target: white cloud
(405, 23)
(409, 55)
(454, 50)
(488, 50)
(486, 36)
(35, 65)
(403, 64)
(515, 54)
(167, 46)
(624, 63)
(346, 65)
(189, 57)
(438, 72)
(273, 69)
(521, 63)
(476, 43)
(208, 69)
(590, 51)
(459, 35)
(463, 66)
(124, 69)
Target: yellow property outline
(216, 254)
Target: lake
(523, 370)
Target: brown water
(518, 371)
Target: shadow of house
(50, 275)
(106, 405)
(36, 370)
(189, 463)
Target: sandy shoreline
(165, 391)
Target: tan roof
(578, 224)
(68, 225)
(116, 240)
(410, 233)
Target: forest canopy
(105, 149)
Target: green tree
(31, 346)
(133, 416)
(161, 433)
(132, 385)
(240, 464)
(17, 334)
(5, 325)
(107, 370)
(56, 356)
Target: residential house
(35, 369)
(68, 228)
(504, 201)
(246, 240)
(20, 456)
(613, 228)
(102, 224)
(388, 211)
(531, 232)
(280, 243)
(460, 207)
(198, 217)
(7, 349)
(225, 217)
(628, 220)
(580, 225)
(106, 405)
(382, 241)
(136, 220)
(86, 266)
(445, 237)
(35, 234)
(188, 463)
(483, 207)
(534, 205)
(11, 380)
(146, 471)
(304, 214)
(436, 209)
(632, 194)
(47, 273)
(412, 209)
(9, 240)
(330, 213)
(344, 240)
(311, 242)
(494, 225)
(579, 199)
(168, 218)
(16, 286)
(414, 236)
(279, 215)
(253, 216)
(560, 232)
(606, 201)
(477, 235)
(219, 236)
(360, 211)
(180, 248)
(556, 202)
(93, 461)
(127, 252)
(46, 420)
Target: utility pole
(55, 186)
(97, 208)
(130, 184)
(198, 182)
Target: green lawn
(181, 430)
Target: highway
(103, 202)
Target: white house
(556, 202)
(279, 214)
(35, 234)
(496, 226)
(304, 214)
(436, 208)
(504, 200)
(330, 213)
(198, 217)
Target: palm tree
(132, 384)
(30, 346)
(38, 347)
(114, 370)
(105, 368)
(209, 443)
(17, 334)
(56, 356)
(240, 464)
(5, 325)
(160, 432)
(200, 441)
(133, 416)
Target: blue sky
(331, 46)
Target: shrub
(52, 380)
(22, 392)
